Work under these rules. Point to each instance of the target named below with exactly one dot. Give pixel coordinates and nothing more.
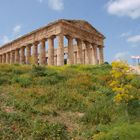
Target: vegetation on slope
(64, 103)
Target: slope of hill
(62, 103)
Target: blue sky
(118, 20)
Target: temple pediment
(84, 25)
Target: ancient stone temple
(83, 45)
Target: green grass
(61, 103)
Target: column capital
(51, 37)
(17, 49)
(36, 43)
(100, 46)
(23, 47)
(78, 39)
(29, 45)
(43, 39)
(68, 37)
(87, 43)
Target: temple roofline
(51, 24)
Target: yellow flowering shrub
(120, 82)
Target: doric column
(43, 52)
(55, 60)
(12, 57)
(51, 51)
(28, 54)
(75, 58)
(7, 57)
(79, 51)
(3, 58)
(94, 54)
(101, 55)
(70, 50)
(60, 50)
(17, 56)
(35, 53)
(22, 55)
(84, 56)
(87, 53)
(0, 58)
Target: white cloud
(134, 39)
(57, 5)
(129, 8)
(122, 56)
(16, 29)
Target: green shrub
(44, 130)
(23, 81)
(136, 82)
(122, 132)
(134, 109)
(4, 80)
(38, 71)
(101, 112)
(51, 79)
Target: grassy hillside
(64, 103)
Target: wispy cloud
(125, 34)
(130, 8)
(5, 39)
(57, 5)
(122, 56)
(134, 39)
(17, 29)
(40, 1)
